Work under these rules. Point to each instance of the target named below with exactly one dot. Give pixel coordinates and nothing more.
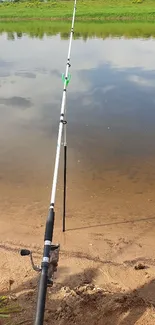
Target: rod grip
(49, 225)
(40, 308)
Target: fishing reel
(53, 261)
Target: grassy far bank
(139, 10)
(82, 29)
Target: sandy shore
(109, 231)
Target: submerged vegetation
(114, 10)
(83, 30)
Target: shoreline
(85, 30)
(79, 19)
(106, 268)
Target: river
(110, 175)
(110, 114)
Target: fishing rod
(51, 252)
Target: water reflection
(83, 30)
(110, 102)
(20, 102)
(12, 36)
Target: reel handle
(25, 252)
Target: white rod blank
(62, 114)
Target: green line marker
(68, 79)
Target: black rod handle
(41, 299)
(39, 317)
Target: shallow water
(111, 113)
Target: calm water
(110, 107)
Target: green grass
(82, 29)
(7, 308)
(114, 10)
